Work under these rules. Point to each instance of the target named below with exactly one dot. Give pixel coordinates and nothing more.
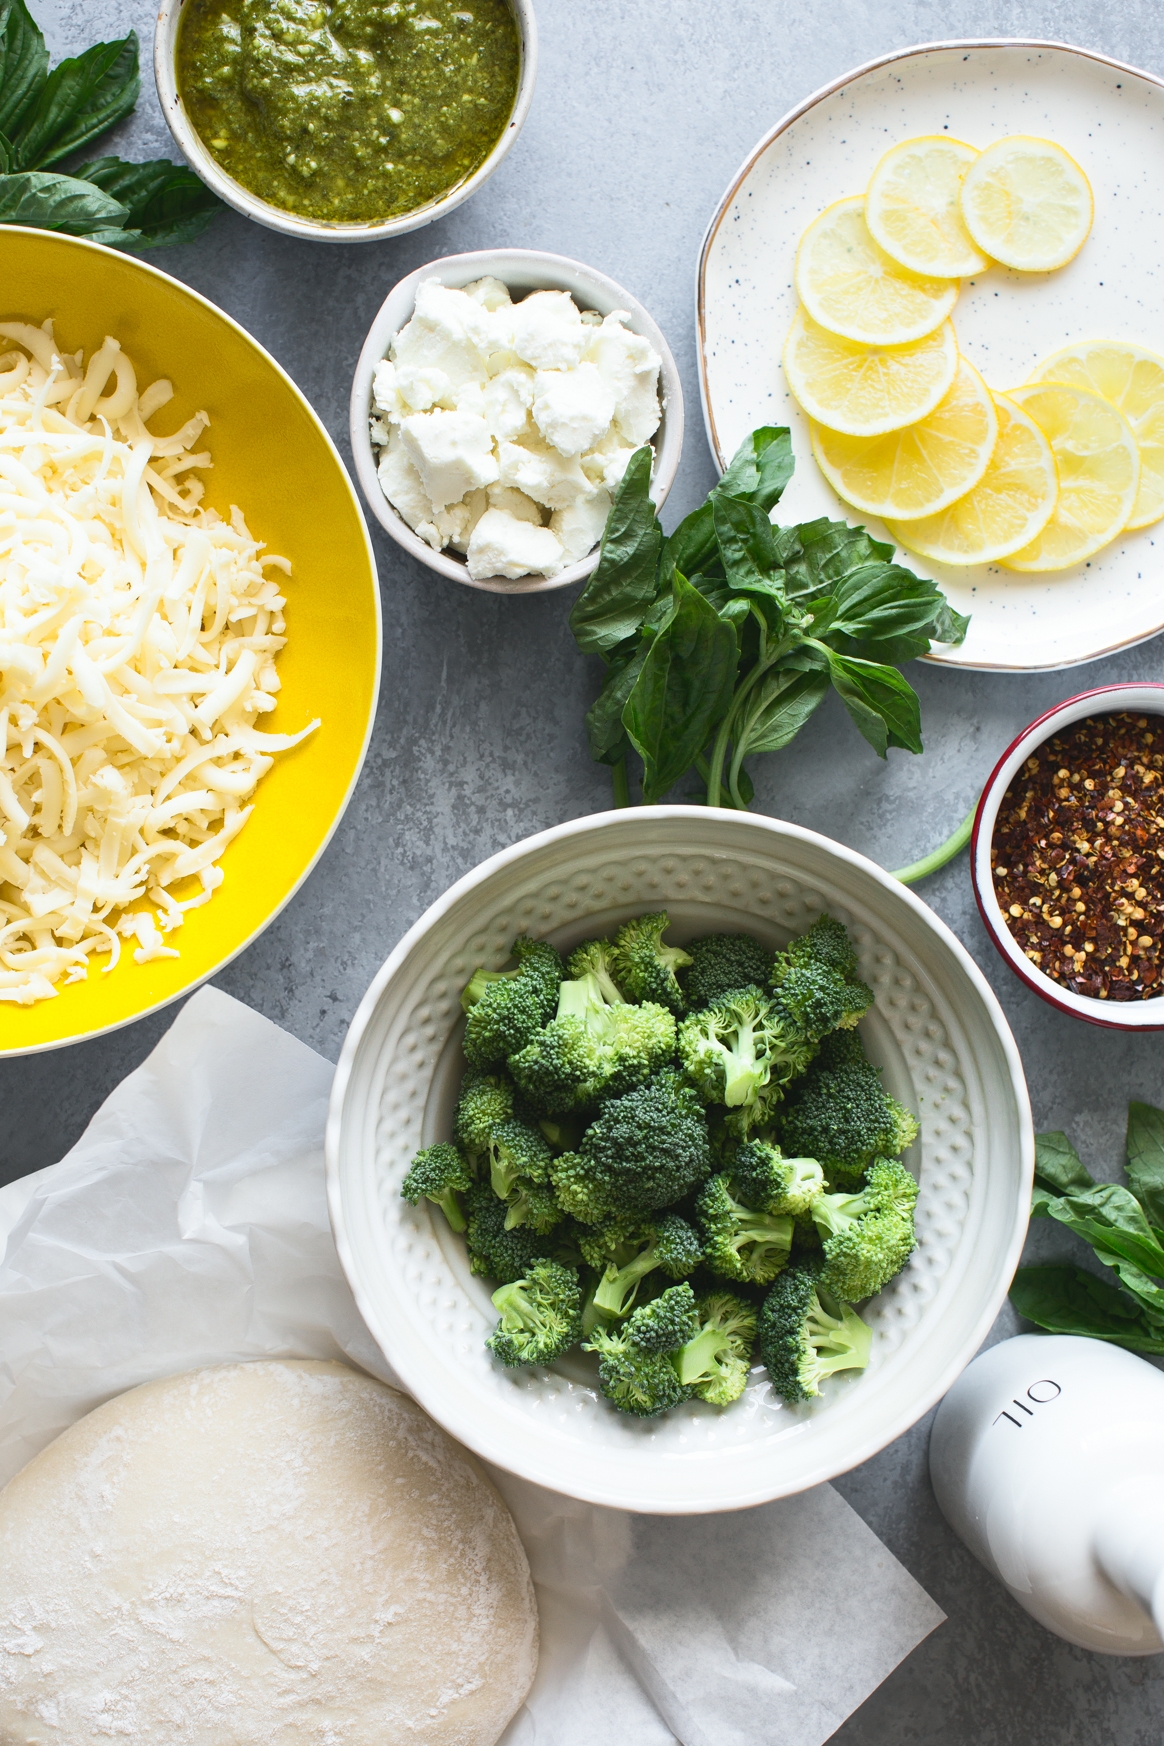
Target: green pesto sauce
(353, 111)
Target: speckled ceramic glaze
(1111, 119)
(936, 1031)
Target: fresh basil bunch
(722, 639)
(48, 117)
(1124, 1226)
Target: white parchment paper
(189, 1226)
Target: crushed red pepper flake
(1078, 857)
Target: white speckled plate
(936, 1030)
(1111, 118)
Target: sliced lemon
(1131, 380)
(867, 390)
(1027, 203)
(921, 469)
(851, 286)
(913, 207)
(1012, 501)
(1099, 474)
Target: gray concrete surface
(641, 117)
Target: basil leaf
(682, 691)
(777, 709)
(879, 602)
(950, 626)
(760, 468)
(746, 542)
(1068, 1300)
(882, 704)
(23, 65)
(1111, 1220)
(622, 586)
(81, 98)
(54, 202)
(1058, 1163)
(828, 552)
(604, 729)
(1146, 1159)
(165, 202)
(692, 547)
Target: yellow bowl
(274, 459)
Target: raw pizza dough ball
(271, 1554)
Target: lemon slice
(867, 390)
(921, 469)
(913, 207)
(1011, 503)
(851, 286)
(1099, 474)
(1131, 380)
(1027, 203)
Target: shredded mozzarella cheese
(138, 637)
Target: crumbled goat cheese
(501, 545)
(492, 419)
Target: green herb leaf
(760, 468)
(746, 541)
(81, 98)
(53, 202)
(682, 691)
(165, 202)
(1146, 1159)
(622, 586)
(604, 729)
(882, 604)
(777, 708)
(1112, 1221)
(882, 704)
(692, 548)
(1058, 1164)
(23, 66)
(824, 552)
(949, 626)
(1068, 1300)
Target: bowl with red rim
(1145, 1014)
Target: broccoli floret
(826, 944)
(639, 1376)
(714, 1362)
(806, 1335)
(563, 1136)
(737, 1242)
(667, 1242)
(486, 1100)
(843, 1116)
(496, 1251)
(506, 1008)
(868, 1237)
(647, 1149)
(516, 1149)
(597, 1046)
(595, 958)
(763, 1178)
(439, 1174)
(742, 1051)
(645, 967)
(818, 1001)
(721, 963)
(541, 1315)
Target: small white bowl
(936, 1030)
(521, 271)
(1130, 1015)
(189, 143)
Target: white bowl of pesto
(521, 272)
(337, 128)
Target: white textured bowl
(521, 271)
(936, 1029)
(1111, 1015)
(189, 143)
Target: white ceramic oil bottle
(1047, 1457)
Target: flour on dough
(283, 1553)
